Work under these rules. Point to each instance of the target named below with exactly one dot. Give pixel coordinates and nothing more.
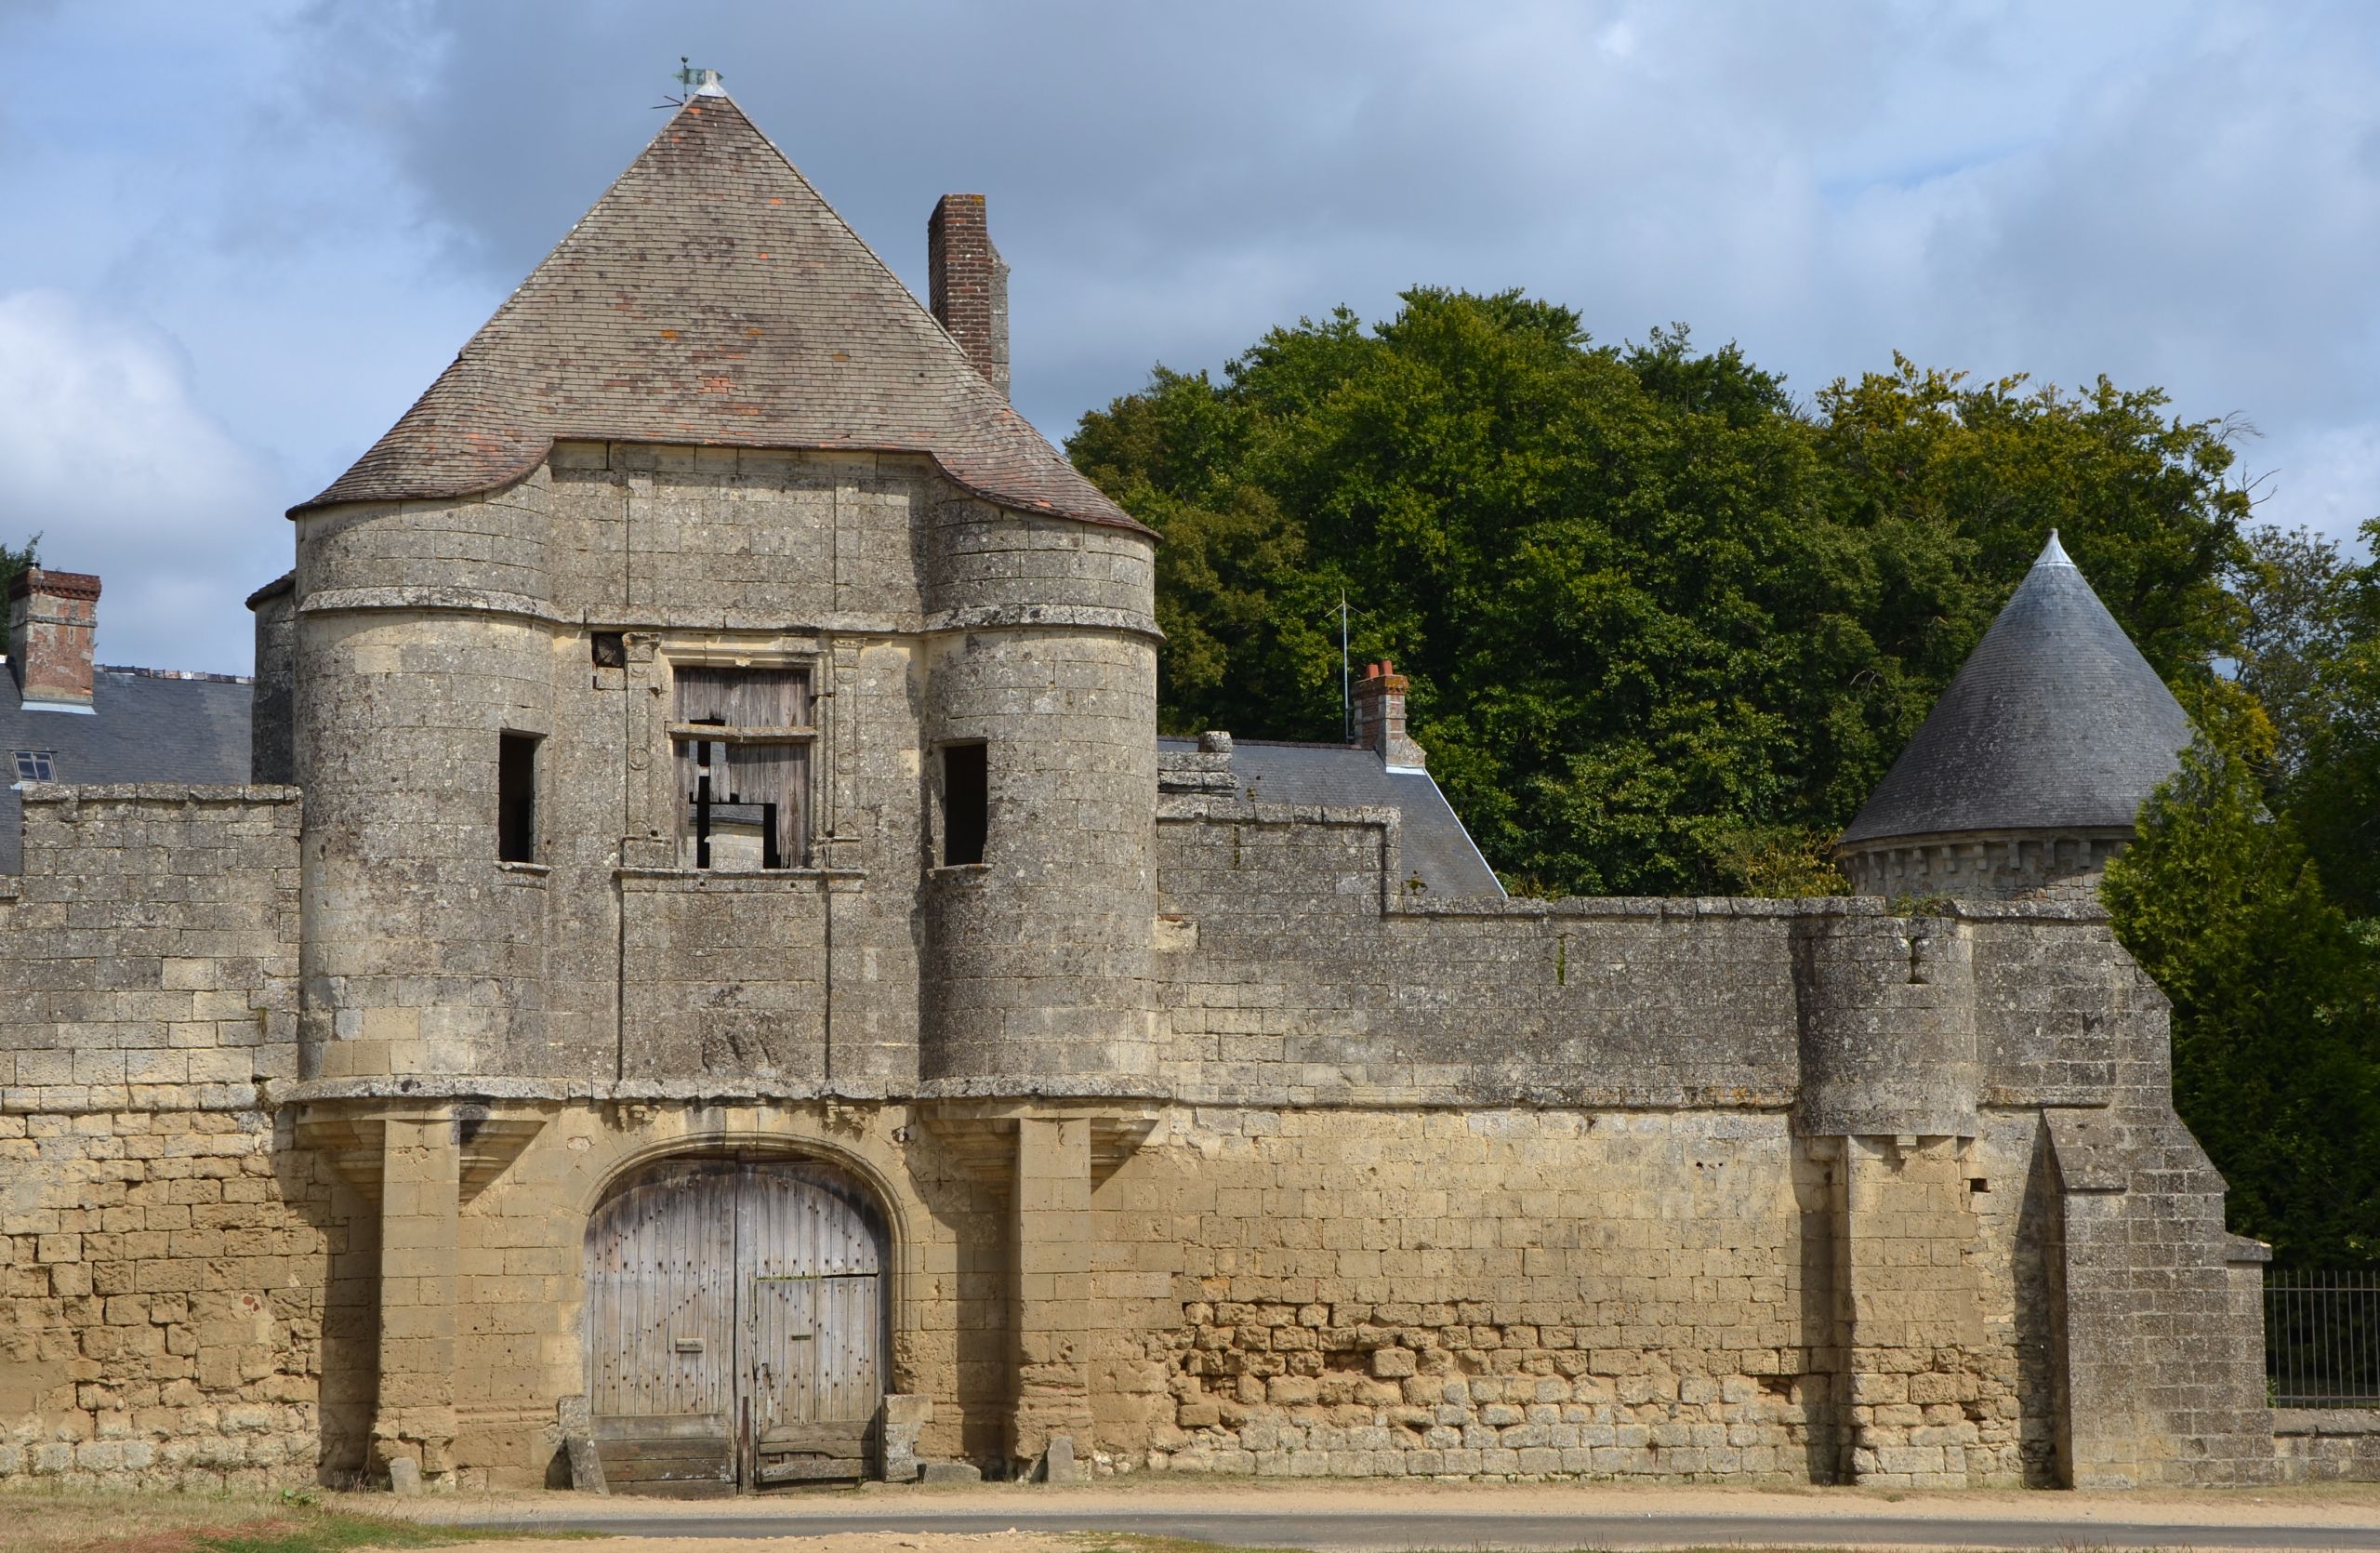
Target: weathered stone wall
(1499, 1292)
(2005, 865)
(1290, 973)
(2326, 1444)
(150, 949)
(1294, 975)
(560, 607)
(173, 1273)
(175, 1296)
(1557, 1292)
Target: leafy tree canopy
(1666, 626)
(2276, 1045)
(17, 560)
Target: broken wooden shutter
(742, 739)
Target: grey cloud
(107, 456)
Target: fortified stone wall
(1294, 971)
(1267, 1162)
(1921, 1067)
(173, 1274)
(1648, 1292)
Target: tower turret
(2028, 772)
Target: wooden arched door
(735, 1326)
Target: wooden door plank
(811, 1469)
(839, 1436)
(736, 1324)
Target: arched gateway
(736, 1325)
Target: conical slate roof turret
(2054, 723)
(711, 296)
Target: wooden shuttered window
(742, 738)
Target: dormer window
(33, 766)
(742, 738)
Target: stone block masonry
(1569, 1204)
(151, 946)
(166, 1301)
(171, 1271)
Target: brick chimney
(52, 616)
(969, 284)
(1380, 718)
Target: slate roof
(144, 726)
(2055, 721)
(1433, 842)
(711, 296)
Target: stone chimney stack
(969, 284)
(52, 617)
(1380, 718)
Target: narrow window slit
(966, 804)
(516, 798)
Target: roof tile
(711, 296)
(2055, 721)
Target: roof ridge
(200, 675)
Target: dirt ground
(120, 1523)
(2355, 1505)
(849, 1542)
(2312, 1505)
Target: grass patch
(67, 1521)
(313, 1530)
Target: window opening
(609, 649)
(32, 766)
(966, 804)
(745, 788)
(516, 799)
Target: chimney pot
(52, 619)
(969, 283)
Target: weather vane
(689, 76)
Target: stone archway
(736, 1325)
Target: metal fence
(2322, 1339)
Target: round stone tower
(2028, 772)
(1040, 896)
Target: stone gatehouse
(715, 973)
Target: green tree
(2333, 707)
(2293, 589)
(1665, 628)
(2275, 1063)
(17, 560)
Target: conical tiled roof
(2054, 723)
(711, 296)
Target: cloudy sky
(241, 237)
